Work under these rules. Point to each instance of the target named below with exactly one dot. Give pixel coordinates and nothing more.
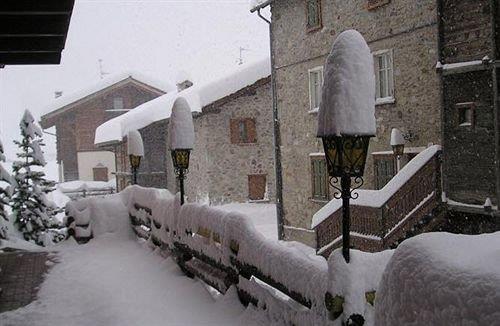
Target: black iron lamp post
(398, 146)
(135, 162)
(180, 159)
(346, 119)
(181, 139)
(346, 158)
(135, 149)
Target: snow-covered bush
(442, 279)
(33, 212)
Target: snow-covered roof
(377, 198)
(66, 100)
(348, 96)
(197, 96)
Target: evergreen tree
(6, 182)
(33, 212)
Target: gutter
(276, 127)
(259, 7)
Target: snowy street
(116, 281)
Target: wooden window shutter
(251, 130)
(234, 131)
(257, 186)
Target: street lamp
(181, 141)
(346, 119)
(398, 146)
(135, 149)
(180, 160)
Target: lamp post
(346, 119)
(181, 139)
(180, 160)
(135, 149)
(398, 146)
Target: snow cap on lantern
(348, 96)
(181, 128)
(397, 137)
(135, 145)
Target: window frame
(235, 131)
(390, 83)
(315, 196)
(466, 106)
(311, 29)
(310, 72)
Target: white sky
(157, 38)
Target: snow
(181, 127)
(397, 137)
(452, 66)
(263, 216)
(442, 279)
(114, 282)
(351, 281)
(134, 143)
(348, 99)
(79, 185)
(197, 96)
(111, 80)
(377, 198)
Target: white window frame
(390, 77)
(314, 108)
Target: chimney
(58, 94)
(183, 80)
(183, 85)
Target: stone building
(403, 36)
(77, 116)
(232, 159)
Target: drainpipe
(494, 76)
(440, 41)
(277, 136)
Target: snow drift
(442, 279)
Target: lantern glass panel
(398, 149)
(135, 161)
(180, 158)
(346, 155)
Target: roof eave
(262, 5)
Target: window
(100, 173)
(313, 8)
(319, 176)
(118, 103)
(384, 170)
(243, 131)
(315, 85)
(384, 76)
(466, 114)
(257, 186)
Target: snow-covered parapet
(442, 279)
(180, 127)
(135, 145)
(376, 198)
(348, 97)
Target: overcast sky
(155, 37)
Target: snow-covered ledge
(377, 198)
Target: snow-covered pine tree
(33, 212)
(6, 182)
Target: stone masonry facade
(221, 169)
(407, 28)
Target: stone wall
(409, 28)
(219, 168)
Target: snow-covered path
(115, 281)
